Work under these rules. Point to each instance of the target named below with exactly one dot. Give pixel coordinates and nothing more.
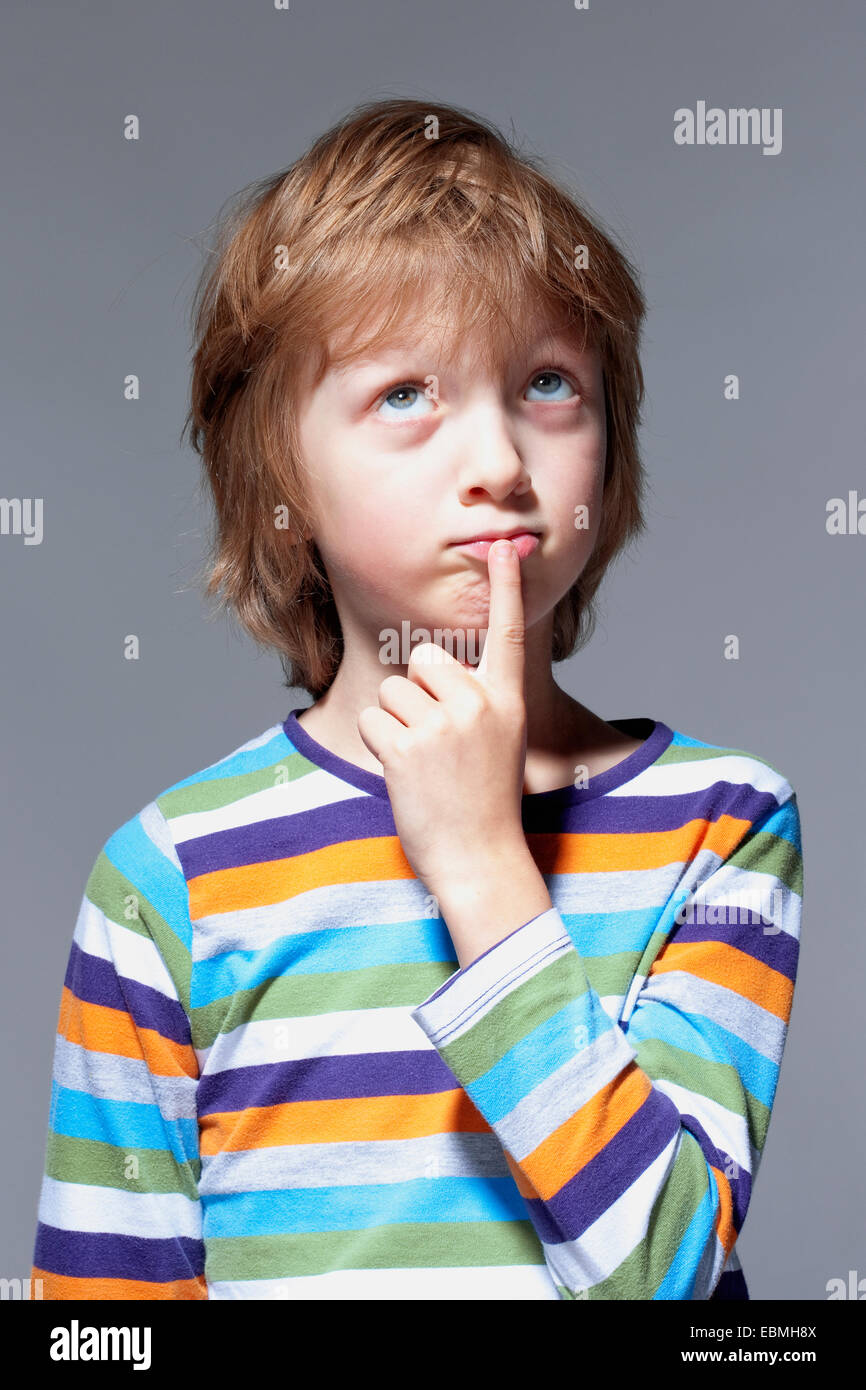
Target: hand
(452, 742)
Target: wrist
(489, 900)
(477, 870)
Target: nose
(490, 459)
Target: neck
(554, 719)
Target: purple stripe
(96, 981)
(732, 1285)
(741, 1187)
(283, 837)
(325, 1078)
(776, 949)
(602, 1181)
(96, 1255)
(648, 814)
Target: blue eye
(400, 400)
(554, 381)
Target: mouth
(525, 542)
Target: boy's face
(400, 468)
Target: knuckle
(402, 745)
(422, 654)
(388, 686)
(473, 706)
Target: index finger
(502, 660)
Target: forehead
(442, 341)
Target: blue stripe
(319, 952)
(133, 853)
(679, 1282)
(538, 1055)
(127, 1124)
(362, 1207)
(605, 934)
(695, 1033)
(239, 764)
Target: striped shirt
(271, 1080)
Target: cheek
(368, 550)
(573, 501)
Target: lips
(525, 542)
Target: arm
(119, 1211)
(636, 1144)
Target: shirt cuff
(474, 989)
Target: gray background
(751, 263)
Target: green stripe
(717, 1081)
(212, 793)
(514, 1017)
(679, 754)
(606, 973)
(302, 996)
(766, 853)
(124, 904)
(98, 1164)
(410, 1245)
(641, 1273)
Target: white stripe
(731, 886)
(369, 904)
(75, 1206)
(559, 1096)
(336, 1034)
(762, 1030)
(155, 826)
(350, 1163)
(350, 1032)
(726, 1129)
(108, 1076)
(694, 775)
(275, 732)
(733, 1262)
(609, 891)
(306, 792)
(134, 956)
(476, 1282)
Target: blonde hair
(375, 220)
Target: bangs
(411, 293)
(460, 265)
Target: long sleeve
(635, 1143)
(119, 1212)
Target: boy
(444, 987)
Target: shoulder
(723, 780)
(147, 848)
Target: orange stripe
(58, 1286)
(724, 1222)
(256, 885)
(382, 857)
(101, 1029)
(588, 854)
(722, 964)
(524, 1186)
(339, 1121)
(563, 1154)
